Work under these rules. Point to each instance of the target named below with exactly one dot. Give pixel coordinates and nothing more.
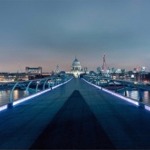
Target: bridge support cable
(27, 88)
(37, 85)
(44, 85)
(10, 104)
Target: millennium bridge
(75, 114)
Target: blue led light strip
(32, 96)
(37, 94)
(112, 93)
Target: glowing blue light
(147, 107)
(37, 94)
(112, 93)
(29, 97)
(3, 107)
(122, 97)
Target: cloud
(64, 28)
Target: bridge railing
(31, 87)
(103, 83)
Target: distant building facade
(11, 77)
(76, 68)
(33, 70)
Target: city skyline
(48, 33)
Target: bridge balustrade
(34, 86)
(126, 86)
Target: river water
(134, 94)
(5, 94)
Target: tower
(57, 69)
(104, 66)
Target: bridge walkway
(75, 116)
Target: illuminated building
(33, 70)
(76, 68)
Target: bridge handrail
(140, 102)
(37, 83)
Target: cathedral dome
(76, 66)
(76, 63)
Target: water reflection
(146, 97)
(4, 95)
(19, 94)
(16, 94)
(134, 94)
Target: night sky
(50, 32)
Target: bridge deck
(75, 115)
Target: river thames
(134, 94)
(5, 94)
